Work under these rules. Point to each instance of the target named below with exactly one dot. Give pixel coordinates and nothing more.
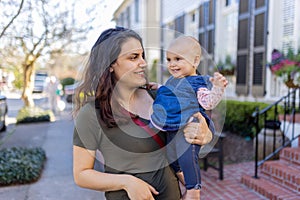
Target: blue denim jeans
(183, 156)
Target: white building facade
(245, 30)
(143, 16)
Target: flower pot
(289, 118)
(290, 83)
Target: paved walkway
(56, 182)
(230, 188)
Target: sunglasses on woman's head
(108, 33)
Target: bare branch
(12, 19)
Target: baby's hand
(218, 80)
(153, 85)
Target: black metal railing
(270, 118)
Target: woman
(112, 109)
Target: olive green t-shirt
(126, 149)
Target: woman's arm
(198, 132)
(85, 176)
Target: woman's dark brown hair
(98, 82)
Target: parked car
(3, 112)
(69, 92)
(40, 82)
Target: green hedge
(239, 118)
(34, 114)
(20, 165)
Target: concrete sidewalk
(56, 182)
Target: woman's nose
(143, 63)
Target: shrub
(239, 118)
(20, 165)
(34, 114)
(67, 81)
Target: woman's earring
(111, 69)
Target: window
(128, 17)
(230, 2)
(210, 46)
(193, 16)
(136, 10)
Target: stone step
(291, 154)
(268, 188)
(283, 173)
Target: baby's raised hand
(218, 80)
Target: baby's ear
(197, 61)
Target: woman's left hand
(198, 132)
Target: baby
(184, 94)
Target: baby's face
(181, 60)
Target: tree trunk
(28, 84)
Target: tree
(45, 28)
(16, 7)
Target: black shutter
(258, 67)
(259, 30)
(243, 31)
(242, 48)
(260, 47)
(201, 16)
(260, 3)
(210, 45)
(201, 39)
(179, 25)
(251, 49)
(207, 30)
(241, 70)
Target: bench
(213, 151)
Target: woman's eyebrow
(133, 54)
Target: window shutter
(207, 27)
(201, 16)
(260, 48)
(243, 37)
(258, 68)
(242, 48)
(179, 25)
(241, 70)
(259, 30)
(251, 47)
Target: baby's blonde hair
(188, 40)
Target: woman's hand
(198, 132)
(139, 189)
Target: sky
(106, 10)
(104, 15)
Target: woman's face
(130, 66)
